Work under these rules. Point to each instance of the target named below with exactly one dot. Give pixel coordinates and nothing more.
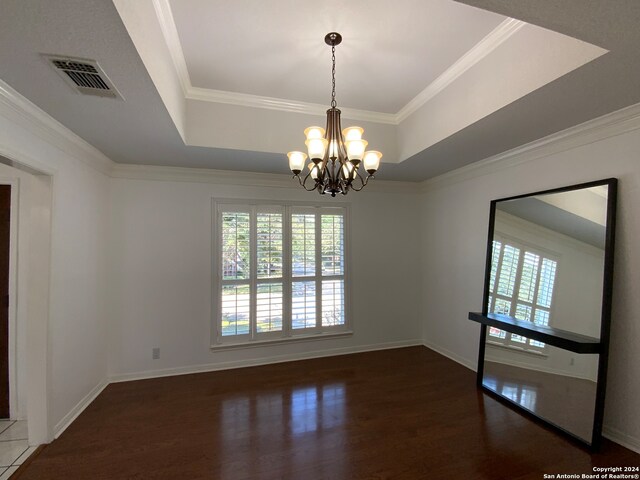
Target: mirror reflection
(547, 267)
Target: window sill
(512, 348)
(294, 339)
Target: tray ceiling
(231, 85)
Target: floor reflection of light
(510, 391)
(304, 410)
(314, 408)
(519, 393)
(490, 382)
(258, 429)
(333, 405)
(235, 423)
(528, 398)
(235, 415)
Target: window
(521, 285)
(280, 272)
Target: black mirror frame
(605, 322)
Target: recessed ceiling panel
(390, 51)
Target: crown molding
(610, 125)
(170, 32)
(199, 175)
(284, 105)
(172, 39)
(493, 40)
(36, 121)
(237, 178)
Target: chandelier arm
(303, 182)
(363, 182)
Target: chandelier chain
(333, 77)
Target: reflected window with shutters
(281, 271)
(521, 285)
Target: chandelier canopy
(335, 154)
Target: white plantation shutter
(521, 285)
(332, 252)
(281, 271)
(269, 244)
(303, 305)
(236, 271)
(303, 244)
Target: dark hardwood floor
(406, 414)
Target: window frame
(287, 334)
(543, 253)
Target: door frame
(30, 293)
(15, 333)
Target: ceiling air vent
(85, 76)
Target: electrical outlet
(572, 361)
(155, 353)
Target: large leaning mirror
(547, 303)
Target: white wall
(162, 287)
(455, 214)
(67, 352)
(78, 308)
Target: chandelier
(335, 154)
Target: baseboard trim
(211, 367)
(68, 419)
(451, 356)
(620, 438)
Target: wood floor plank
(407, 413)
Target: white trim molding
(484, 47)
(284, 105)
(232, 177)
(627, 441)
(23, 112)
(254, 362)
(68, 419)
(170, 34)
(607, 126)
(465, 362)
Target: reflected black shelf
(553, 336)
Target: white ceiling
(390, 51)
(143, 129)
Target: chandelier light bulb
(296, 161)
(313, 171)
(372, 161)
(314, 132)
(333, 149)
(316, 147)
(352, 133)
(349, 171)
(355, 149)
